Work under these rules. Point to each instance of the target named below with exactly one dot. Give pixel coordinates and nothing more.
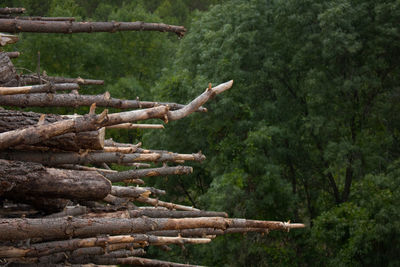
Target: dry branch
(136, 126)
(17, 25)
(48, 88)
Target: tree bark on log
(8, 75)
(16, 25)
(13, 120)
(136, 126)
(66, 227)
(77, 100)
(32, 79)
(90, 246)
(155, 213)
(19, 179)
(58, 158)
(43, 88)
(158, 203)
(38, 133)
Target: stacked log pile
(58, 203)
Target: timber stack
(59, 203)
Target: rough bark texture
(8, 75)
(12, 10)
(12, 120)
(16, 25)
(77, 100)
(50, 229)
(38, 133)
(57, 158)
(19, 179)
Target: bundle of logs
(58, 203)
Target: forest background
(310, 132)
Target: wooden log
(38, 18)
(202, 232)
(17, 25)
(69, 211)
(135, 174)
(38, 133)
(13, 120)
(86, 123)
(89, 246)
(12, 10)
(77, 100)
(8, 75)
(57, 158)
(66, 227)
(32, 179)
(49, 88)
(33, 79)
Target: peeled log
(20, 179)
(12, 120)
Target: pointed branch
(13, 54)
(199, 101)
(17, 25)
(159, 203)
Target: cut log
(57, 158)
(77, 100)
(20, 179)
(86, 246)
(66, 227)
(17, 25)
(44, 88)
(39, 18)
(39, 133)
(135, 174)
(32, 79)
(8, 75)
(13, 120)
